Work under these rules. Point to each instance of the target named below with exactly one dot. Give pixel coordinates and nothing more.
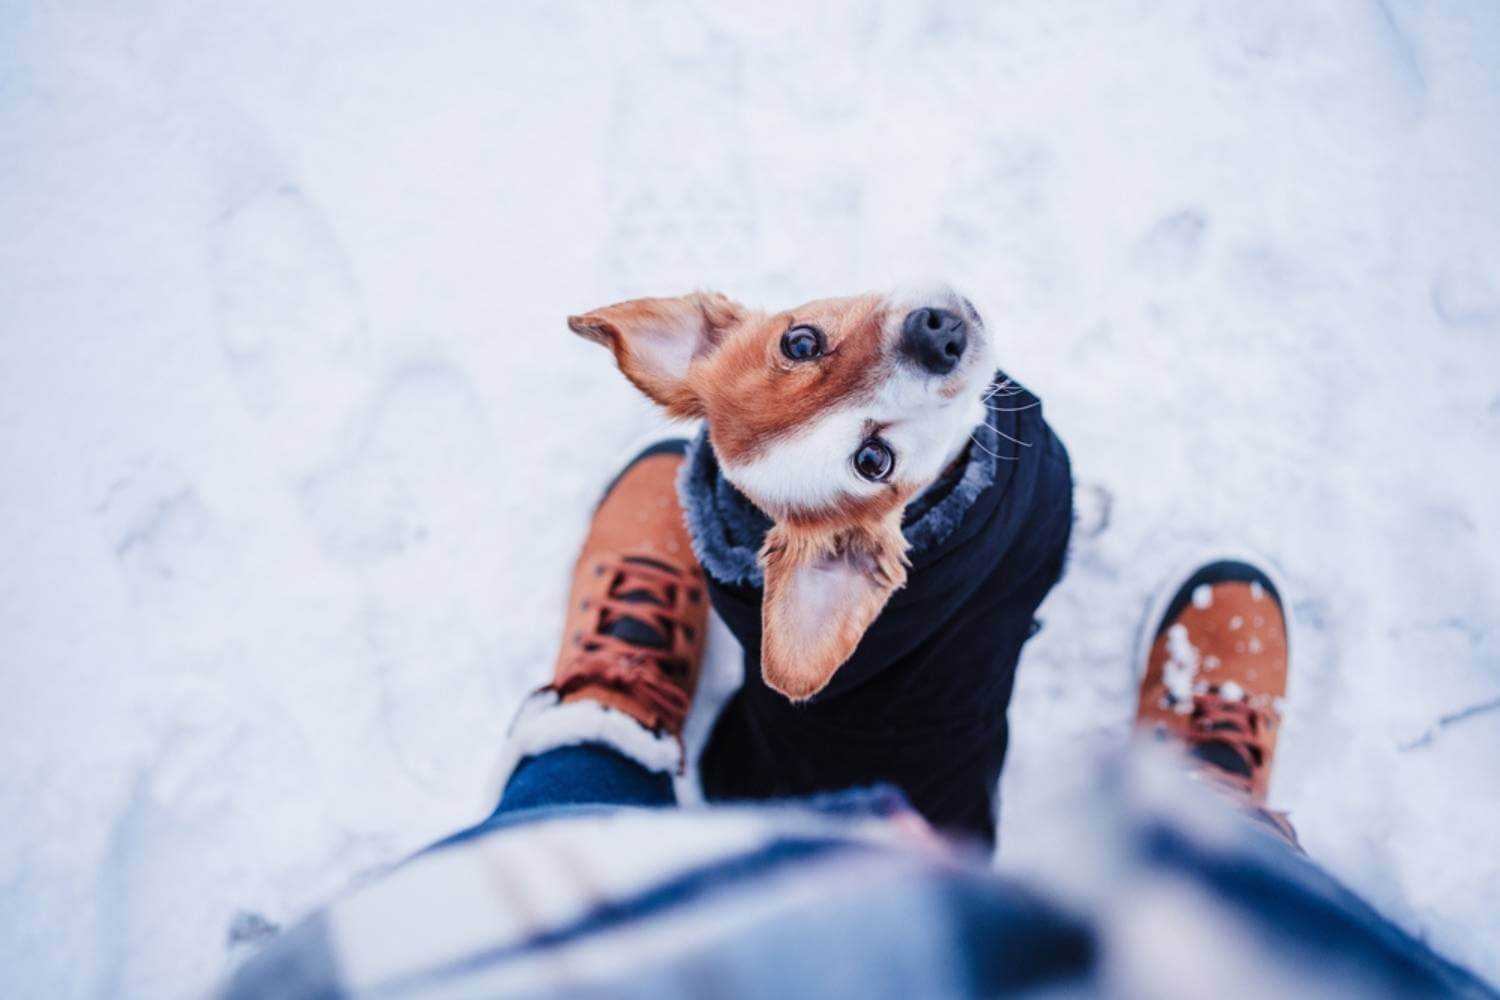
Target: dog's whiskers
(1000, 390)
(980, 445)
(1010, 409)
(1023, 444)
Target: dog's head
(831, 417)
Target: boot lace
(1229, 737)
(647, 592)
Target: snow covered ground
(295, 449)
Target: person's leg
(573, 778)
(766, 900)
(1214, 673)
(1264, 919)
(587, 774)
(606, 731)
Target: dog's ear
(823, 589)
(655, 341)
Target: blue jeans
(570, 778)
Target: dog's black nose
(934, 338)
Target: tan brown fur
(701, 319)
(870, 556)
(847, 509)
(752, 395)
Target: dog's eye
(803, 343)
(874, 460)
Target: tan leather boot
(633, 641)
(637, 610)
(1215, 674)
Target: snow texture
(296, 449)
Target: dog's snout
(934, 338)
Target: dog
(879, 513)
(831, 417)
